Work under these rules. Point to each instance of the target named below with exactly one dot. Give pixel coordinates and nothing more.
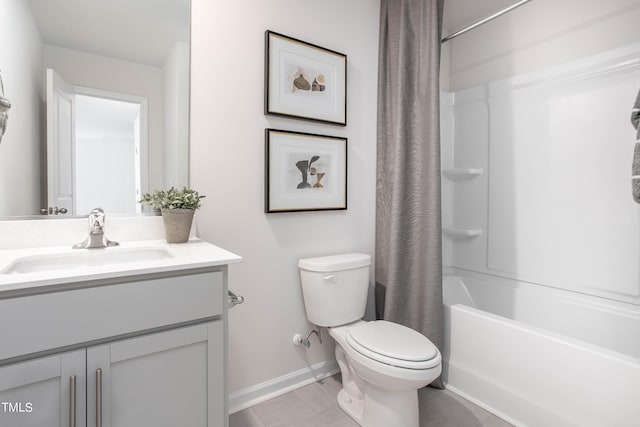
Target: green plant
(173, 199)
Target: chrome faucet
(96, 238)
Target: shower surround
(537, 194)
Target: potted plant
(177, 207)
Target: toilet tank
(335, 288)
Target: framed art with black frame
(304, 81)
(304, 172)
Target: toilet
(383, 364)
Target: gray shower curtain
(408, 218)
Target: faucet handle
(96, 219)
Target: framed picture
(304, 81)
(304, 172)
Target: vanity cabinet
(36, 393)
(172, 378)
(146, 352)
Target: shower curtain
(408, 217)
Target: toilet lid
(393, 344)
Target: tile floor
(315, 405)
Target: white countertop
(191, 255)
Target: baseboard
(258, 393)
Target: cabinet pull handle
(72, 401)
(98, 397)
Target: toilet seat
(393, 344)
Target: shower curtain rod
(485, 20)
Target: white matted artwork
(304, 172)
(304, 81)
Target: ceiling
(461, 13)
(145, 31)
(142, 31)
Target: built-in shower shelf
(462, 232)
(462, 174)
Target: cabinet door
(167, 379)
(45, 392)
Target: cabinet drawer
(41, 322)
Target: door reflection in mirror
(95, 148)
(107, 155)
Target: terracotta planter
(177, 224)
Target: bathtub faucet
(96, 238)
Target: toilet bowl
(383, 364)
(386, 371)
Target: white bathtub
(537, 356)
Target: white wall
(555, 143)
(21, 70)
(176, 116)
(227, 164)
(540, 34)
(100, 72)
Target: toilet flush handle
(329, 277)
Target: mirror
(99, 96)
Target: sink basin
(84, 258)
